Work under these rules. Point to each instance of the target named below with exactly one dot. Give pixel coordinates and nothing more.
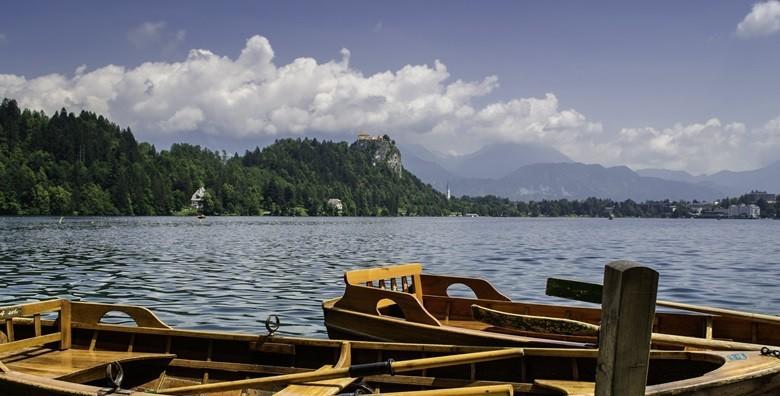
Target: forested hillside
(85, 164)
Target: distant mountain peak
(497, 160)
(492, 161)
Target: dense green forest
(84, 164)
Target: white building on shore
(197, 198)
(743, 211)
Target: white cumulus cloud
(763, 20)
(699, 148)
(252, 96)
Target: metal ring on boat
(272, 325)
(115, 374)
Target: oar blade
(535, 324)
(574, 290)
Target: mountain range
(526, 172)
(730, 182)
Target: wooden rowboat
(400, 303)
(72, 353)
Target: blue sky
(611, 82)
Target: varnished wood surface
(91, 313)
(544, 326)
(367, 299)
(318, 388)
(345, 323)
(591, 292)
(218, 356)
(455, 313)
(497, 390)
(382, 277)
(327, 387)
(570, 388)
(72, 364)
(437, 285)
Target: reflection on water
(232, 272)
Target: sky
(688, 85)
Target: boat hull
(76, 348)
(351, 325)
(376, 306)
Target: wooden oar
(543, 324)
(591, 292)
(536, 324)
(359, 370)
(503, 390)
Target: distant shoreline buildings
(715, 210)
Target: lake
(232, 272)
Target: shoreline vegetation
(84, 164)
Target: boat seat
(73, 365)
(467, 324)
(318, 388)
(567, 387)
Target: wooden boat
(71, 354)
(400, 303)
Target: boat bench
(35, 355)
(317, 388)
(408, 278)
(405, 287)
(74, 365)
(567, 387)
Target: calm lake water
(232, 272)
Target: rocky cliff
(382, 151)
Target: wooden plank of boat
(574, 327)
(327, 387)
(76, 365)
(569, 388)
(318, 388)
(591, 292)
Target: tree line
(68, 164)
(596, 207)
(84, 164)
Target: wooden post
(627, 311)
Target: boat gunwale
(498, 337)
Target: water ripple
(230, 273)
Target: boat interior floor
(74, 365)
